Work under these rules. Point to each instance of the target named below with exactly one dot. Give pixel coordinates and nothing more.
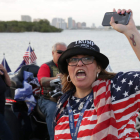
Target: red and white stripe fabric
(106, 127)
(36, 91)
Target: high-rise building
(26, 18)
(83, 24)
(93, 26)
(73, 24)
(59, 23)
(79, 25)
(70, 23)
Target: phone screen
(119, 18)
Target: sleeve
(44, 71)
(125, 90)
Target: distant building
(93, 26)
(73, 24)
(59, 23)
(54, 22)
(70, 23)
(79, 25)
(26, 18)
(36, 20)
(83, 24)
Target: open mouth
(80, 74)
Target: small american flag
(29, 56)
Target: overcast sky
(89, 11)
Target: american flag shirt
(125, 94)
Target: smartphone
(119, 18)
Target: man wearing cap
(46, 73)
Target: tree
(22, 26)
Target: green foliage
(23, 26)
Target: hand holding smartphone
(118, 18)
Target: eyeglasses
(59, 51)
(85, 60)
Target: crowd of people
(96, 104)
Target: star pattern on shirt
(136, 88)
(73, 98)
(77, 100)
(113, 98)
(91, 100)
(114, 86)
(127, 84)
(87, 97)
(92, 105)
(123, 80)
(129, 73)
(74, 111)
(118, 88)
(130, 83)
(125, 94)
(118, 77)
(136, 75)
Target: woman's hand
(120, 27)
(2, 70)
(129, 30)
(7, 78)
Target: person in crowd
(46, 73)
(96, 104)
(5, 133)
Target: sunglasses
(59, 51)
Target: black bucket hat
(81, 47)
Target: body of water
(113, 44)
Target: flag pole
(29, 53)
(4, 60)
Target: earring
(97, 75)
(68, 79)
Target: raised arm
(7, 78)
(130, 31)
